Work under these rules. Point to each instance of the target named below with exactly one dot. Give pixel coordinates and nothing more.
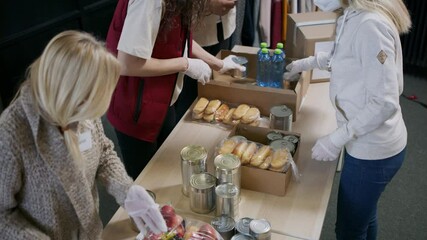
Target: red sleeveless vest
(139, 105)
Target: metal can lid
(227, 162)
(291, 138)
(281, 143)
(281, 111)
(240, 60)
(227, 190)
(271, 136)
(259, 226)
(193, 154)
(242, 226)
(223, 223)
(202, 181)
(241, 237)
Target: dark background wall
(26, 26)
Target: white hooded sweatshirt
(366, 82)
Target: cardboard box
(308, 33)
(234, 90)
(261, 180)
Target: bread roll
(249, 152)
(280, 157)
(212, 106)
(221, 112)
(240, 148)
(267, 161)
(255, 123)
(197, 115)
(260, 155)
(208, 117)
(228, 117)
(227, 146)
(251, 115)
(200, 105)
(241, 110)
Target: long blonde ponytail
(72, 81)
(394, 10)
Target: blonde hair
(394, 10)
(72, 81)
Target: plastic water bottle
(278, 65)
(262, 45)
(263, 68)
(279, 45)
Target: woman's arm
(140, 67)
(213, 62)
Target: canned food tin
(242, 226)
(242, 237)
(291, 138)
(227, 200)
(271, 136)
(202, 192)
(281, 143)
(242, 61)
(260, 229)
(193, 161)
(281, 118)
(227, 169)
(224, 225)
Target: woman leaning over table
(53, 148)
(153, 42)
(366, 81)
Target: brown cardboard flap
(263, 98)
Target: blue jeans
(361, 185)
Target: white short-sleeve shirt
(140, 31)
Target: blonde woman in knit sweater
(53, 147)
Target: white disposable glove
(229, 64)
(199, 70)
(320, 60)
(329, 147)
(144, 211)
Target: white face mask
(327, 5)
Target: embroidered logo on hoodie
(382, 56)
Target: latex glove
(199, 70)
(325, 150)
(144, 211)
(329, 147)
(229, 64)
(320, 60)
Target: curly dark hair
(191, 12)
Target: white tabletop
(297, 215)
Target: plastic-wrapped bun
(227, 146)
(212, 106)
(200, 105)
(249, 152)
(221, 112)
(241, 110)
(251, 115)
(260, 155)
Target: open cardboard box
(261, 180)
(235, 90)
(309, 33)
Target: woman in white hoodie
(366, 82)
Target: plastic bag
(183, 229)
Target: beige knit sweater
(43, 194)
